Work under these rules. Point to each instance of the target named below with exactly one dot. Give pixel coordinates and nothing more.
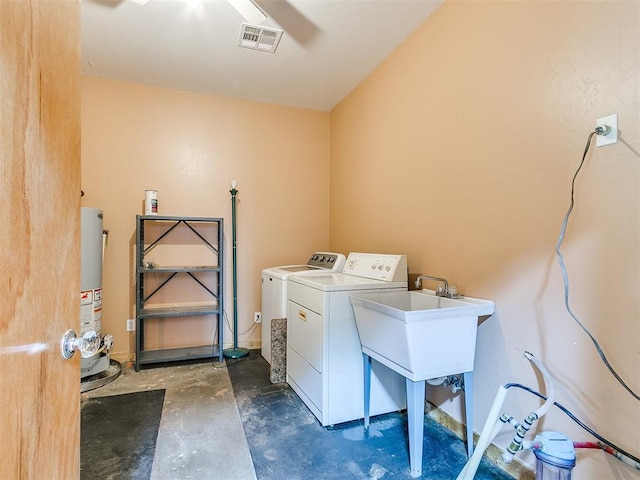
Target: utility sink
(418, 333)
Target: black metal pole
(234, 352)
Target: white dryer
(274, 289)
(324, 355)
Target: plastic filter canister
(150, 202)
(555, 458)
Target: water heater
(91, 270)
(92, 247)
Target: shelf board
(178, 269)
(178, 354)
(180, 311)
(164, 218)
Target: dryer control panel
(378, 266)
(332, 261)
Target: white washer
(324, 356)
(274, 289)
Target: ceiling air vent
(259, 38)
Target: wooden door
(39, 237)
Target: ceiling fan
(266, 39)
(249, 10)
(252, 35)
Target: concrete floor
(201, 434)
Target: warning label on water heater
(91, 310)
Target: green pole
(234, 352)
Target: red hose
(586, 445)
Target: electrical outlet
(257, 317)
(612, 137)
(130, 325)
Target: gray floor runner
(118, 435)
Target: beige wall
(189, 147)
(459, 151)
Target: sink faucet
(445, 292)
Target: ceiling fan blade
(249, 10)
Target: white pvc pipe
(491, 428)
(493, 424)
(549, 384)
(508, 455)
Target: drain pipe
(522, 429)
(492, 426)
(495, 422)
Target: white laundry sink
(419, 334)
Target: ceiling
(328, 46)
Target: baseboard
(122, 357)
(250, 344)
(516, 468)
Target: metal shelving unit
(146, 310)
